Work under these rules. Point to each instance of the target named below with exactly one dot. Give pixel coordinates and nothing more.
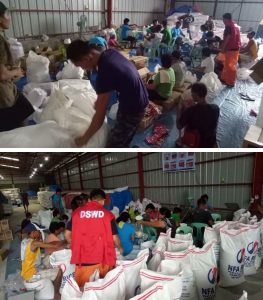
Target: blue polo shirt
(176, 32)
(97, 40)
(124, 31)
(117, 73)
(125, 234)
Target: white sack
(232, 255)
(45, 135)
(244, 296)
(238, 213)
(184, 237)
(37, 97)
(112, 286)
(45, 217)
(157, 257)
(62, 259)
(183, 257)
(162, 240)
(44, 289)
(175, 245)
(37, 68)
(204, 266)
(132, 271)
(16, 49)
(189, 77)
(71, 290)
(213, 84)
(70, 71)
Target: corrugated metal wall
(225, 177)
(139, 12)
(53, 17)
(247, 13)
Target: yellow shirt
(29, 264)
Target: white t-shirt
(209, 64)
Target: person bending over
(115, 73)
(179, 68)
(199, 121)
(162, 86)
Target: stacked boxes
(5, 232)
(12, 193)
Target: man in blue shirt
(177, 31)
(57, 201)
(115, 73)
(125, 27)
(98, 40)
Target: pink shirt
(51, 238)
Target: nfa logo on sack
(210, 292)
(66, 278)
(236, 271)
(252, 249)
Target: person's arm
(67, 235)
(155, 224)
(53, 245)
(184, 118)
(97, 120)
(155, 83)
(117, 243)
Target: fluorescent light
(35, 169)
(9, 158)
(8, 166)
(41, 165)
(46, 158)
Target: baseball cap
(32, 227)
(3, 8)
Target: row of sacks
(44, 198)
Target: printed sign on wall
(178, 161)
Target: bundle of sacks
(44, 198)
(43, 218)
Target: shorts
(83, 273)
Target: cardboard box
(254, 137)
(146, 122)
(6, 236)
(144, 73)
(4, 225)
(139, 61)
(257, 74)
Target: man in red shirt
(230, 48)
(94, 237)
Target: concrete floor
(253, 285)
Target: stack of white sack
(44, 198)
(70, 71)
(13, 193)
(45, 217)
(16, 49)
(146, 201)
(73, 109)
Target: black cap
(3, 8)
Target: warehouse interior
(40, 32)
(173, 181)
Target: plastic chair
(216, 217)
(153, 50)
(167, 48)
(151, 232)
(198, 233)
(184, 229)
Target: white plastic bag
(244, 296)
(37, 68)
(243, 73)
(238, 213)
(175, 245)
(189, 77)
(44, 135)
(71, 290)
(204, 266)
(110, 287)
(45, 217)
(213, 84)
(62, 259)
(70, 71)
(113, 111)
(44, 289)
(232, 256)
(37, 97)
(132, 271)
(16, 49)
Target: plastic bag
(189, 77)
(45, 135)
(132, 271)
(16, 49)
(232, 257)
(244, 296)
(243, 73)
(213, 84)
(62, 259)
(111, 287)
(45, 217)
(204, 266)
(44, 289)
(37, 68)
(70, 71)
(113, 111)
(71, 290)
(37, 97)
